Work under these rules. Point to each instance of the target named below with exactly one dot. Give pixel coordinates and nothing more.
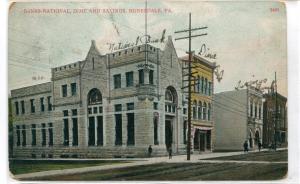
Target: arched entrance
(170, 115)
(95, 117)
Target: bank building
(108, 105)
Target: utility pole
(276, 113)
(189, 30)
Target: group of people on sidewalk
(169, 151)
(246, 148)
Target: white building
(238, 118)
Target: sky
(248, 38)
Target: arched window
(194, 109)
(208, 112)
(170, 100)
(204, 110)
(200, 110)
(94, 97)
(169, 96)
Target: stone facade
(108, 105)
(238, 118)
(272, 131)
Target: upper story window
(130, 106)
(17, 108)
(118, 107)
(151, 75)
(32, 107)
(259, 112)
(22, 107)
(206, 87)
(49, 103)
(155, 105)
(42, 104)
(117, 81)
(251, 108)
(74, 112)
(141, 76)
(66, 112)
(94, 97)
(129, 79)
(209, 88)
(64, 90)
(169, 97)
(202, 85)
(198, 84)
(73, 89)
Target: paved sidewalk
(143, 161)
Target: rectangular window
(155, 105)
(130, 129)
(118, 129)
(17, 108)
(117, 81)
(74, 112)
(64, 90)
(95, 110)
(100, 131)
(50, 130)
(75, 131)
(184, 110)
(32, 107)
(91, 140)
(151, 74)
(73, 89)
(43, 134)
(118, 107)
(209, 88)
(49, 103)
(65, 112)
(141, 76)
(22, 107)
(24, 135)
(18, 135)
(66, 132)
(100, 110)
(130, 106)
(155, 131)
(42, 104)
(259, 112)
(129, 79)
(33, 135)
(90, 110)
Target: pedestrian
(149, 151)
(259, 146)
(245, 146)
(170, 152)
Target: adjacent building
(275, 126)
(238, 118)
(110, 105)
(202, 124)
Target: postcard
(148, 91)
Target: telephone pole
(189, 30)
(276, 113)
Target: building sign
(143, 65)
(138, 40)
(257, 84)
(205, 51)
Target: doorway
(168, 134)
